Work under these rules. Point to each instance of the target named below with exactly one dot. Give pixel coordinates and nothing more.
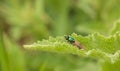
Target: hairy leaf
(96, 45)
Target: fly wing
(80, 46)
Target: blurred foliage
(26, 21)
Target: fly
(74, 42)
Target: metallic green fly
(74, 42)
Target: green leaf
(96, 45)
(105, 48)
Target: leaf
(96, 45)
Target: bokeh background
(27, 21)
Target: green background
(27, 21)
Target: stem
(3, 55)
(61, 21)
